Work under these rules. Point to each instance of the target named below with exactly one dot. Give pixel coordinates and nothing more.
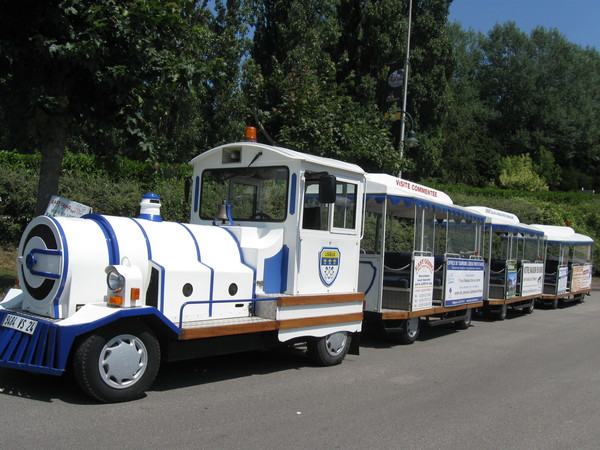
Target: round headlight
(115, 280)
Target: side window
(344, 211)
(315, 214)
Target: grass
(8, 268)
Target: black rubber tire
(329, 350)
(554, 303)
(465, 323)
(530, 308)
(503, 312)
(409, 332)
(131, 337)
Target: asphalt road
(528, 382)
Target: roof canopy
(380, 183)
(563, 235)
(381, 186)
(267, 155)
(505, 222)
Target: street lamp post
(404, 113)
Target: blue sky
(577, 20)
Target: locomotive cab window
(253, 193)
(339, 216)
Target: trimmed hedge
(548, 208)
(115, 187)
(87, 180)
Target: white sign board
(532, 279)
(62, 207)
(563, 273)
(582, 278)
(422, 294)
(464, 281)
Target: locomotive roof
(270, 155)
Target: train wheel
(503, 312)
(464, 323)
(530, 308)
(117, 363)
(329, 350)
(410, 331)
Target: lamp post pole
(404, 95)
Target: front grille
(36, 353)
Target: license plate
(19, 323)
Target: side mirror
(327, 184)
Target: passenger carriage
(568, 271)
(420, 258)
(514, 262)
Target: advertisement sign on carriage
(464, 281)
(511, 279)
(581, 278)
(561, 287)
(532, 280)
(422, 295)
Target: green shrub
(105, 196)
(175, 206)
(18, 189)
(517, 172)
(117, 190)
(16, 160)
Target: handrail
(396, 270)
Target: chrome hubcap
(412, 326)
(123, 361)
(335, 343)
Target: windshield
(254, 193)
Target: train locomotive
(270, 257)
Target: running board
(227, 327)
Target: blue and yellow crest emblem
(329, 264)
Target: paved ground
(527, 382)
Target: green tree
(374, 37)
(225, 109)
(544, 91)
(470, 152)
(318, 68)
(517, 173)
(293, 82)
(108, 69)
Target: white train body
(63, 264)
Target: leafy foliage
(156, 81)
(517, 94)
(517, 173)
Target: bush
(18, 189)
(549, 208)
(115, 198)
(175, 206)
(517, 172)
(83, 183)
